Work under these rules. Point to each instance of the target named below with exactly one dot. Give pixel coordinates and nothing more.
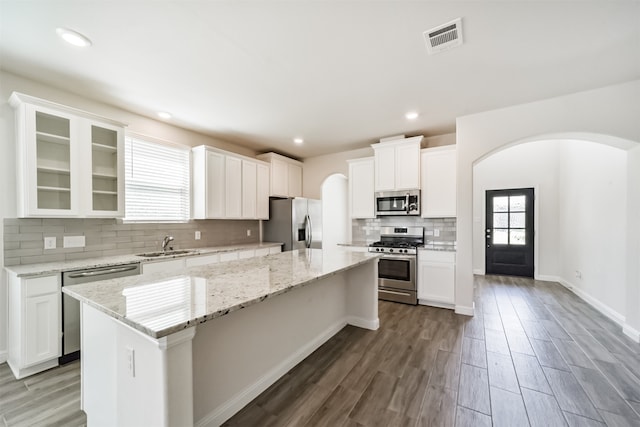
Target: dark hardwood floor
(534, 354)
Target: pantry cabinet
(439, 182)
(70, 163)
(397, 164)
(436, 278)
(228, 186)
(34, 323)
(286, 175)
(361, 188)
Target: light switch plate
(73, 242)
(49, 242)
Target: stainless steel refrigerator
(295, 222)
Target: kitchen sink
(167, 253)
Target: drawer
(202, 260)
(228, 256)
(42, 285)
(163, 266)
(262, 251)
(436, 256)
(246, 254)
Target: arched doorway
(336, 227)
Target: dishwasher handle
(102, 272)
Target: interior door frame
(536, 219)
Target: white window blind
(156, 181)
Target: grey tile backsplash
(368, 230)
(24, 237)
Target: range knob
(390, 250)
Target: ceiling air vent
(444, 36)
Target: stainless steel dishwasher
(71, 306)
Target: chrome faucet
(165, 242)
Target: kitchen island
(194, 347)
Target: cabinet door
(262, 191)
(279, 178)
(361, 189)
(249, 189)
(42, 328)
(295, 180)
(215, 185)
(163, 266)
(436, 282)
(407, 166)
(50, 169)
(439, 183)
(233, 187)
(385, 166)
(105, 195)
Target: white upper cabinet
(361, 188)
(439, 182)
(286, 175)
(397, 164)
(228, 186)
(233, 187)
(70, 163)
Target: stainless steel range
(397, 269)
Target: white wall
(592, 223)
(632, 327)
(522, 166)
(335, 216)
(139, 124)
(608, 114)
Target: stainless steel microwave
(398, 203)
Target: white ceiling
(340, 74)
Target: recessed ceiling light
(298, 140)
(164, 115)
(73, 37)
(412, 115)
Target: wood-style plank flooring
(534, 354)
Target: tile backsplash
(368, 230)
(24, 237)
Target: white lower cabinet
(436, 278)
(163, 266)
(34, 324)
(202, 260)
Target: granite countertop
(438, 247)
(161, 304)
(58, 267)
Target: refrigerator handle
(308, 230)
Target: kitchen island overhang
(144, 363)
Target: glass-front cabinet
(70, 163)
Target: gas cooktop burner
(398, 245)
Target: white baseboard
(547, 278)
(229, 408)
(436, 304)
(632, 333)
(364, 323)
(595, 303)
(464, 310)
(4, 354)
(478, 272)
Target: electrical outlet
(198, 235)
(131, 361)
(49, 242)
(436, 232)
(578, 274)
(248, 232)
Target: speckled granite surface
(161, 304)
(437, 247)
(57, 267)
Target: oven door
(397, 272)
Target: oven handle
(399, 257)
(396, 292)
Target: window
(156, 181)
(509, 214)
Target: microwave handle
(406, 203)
